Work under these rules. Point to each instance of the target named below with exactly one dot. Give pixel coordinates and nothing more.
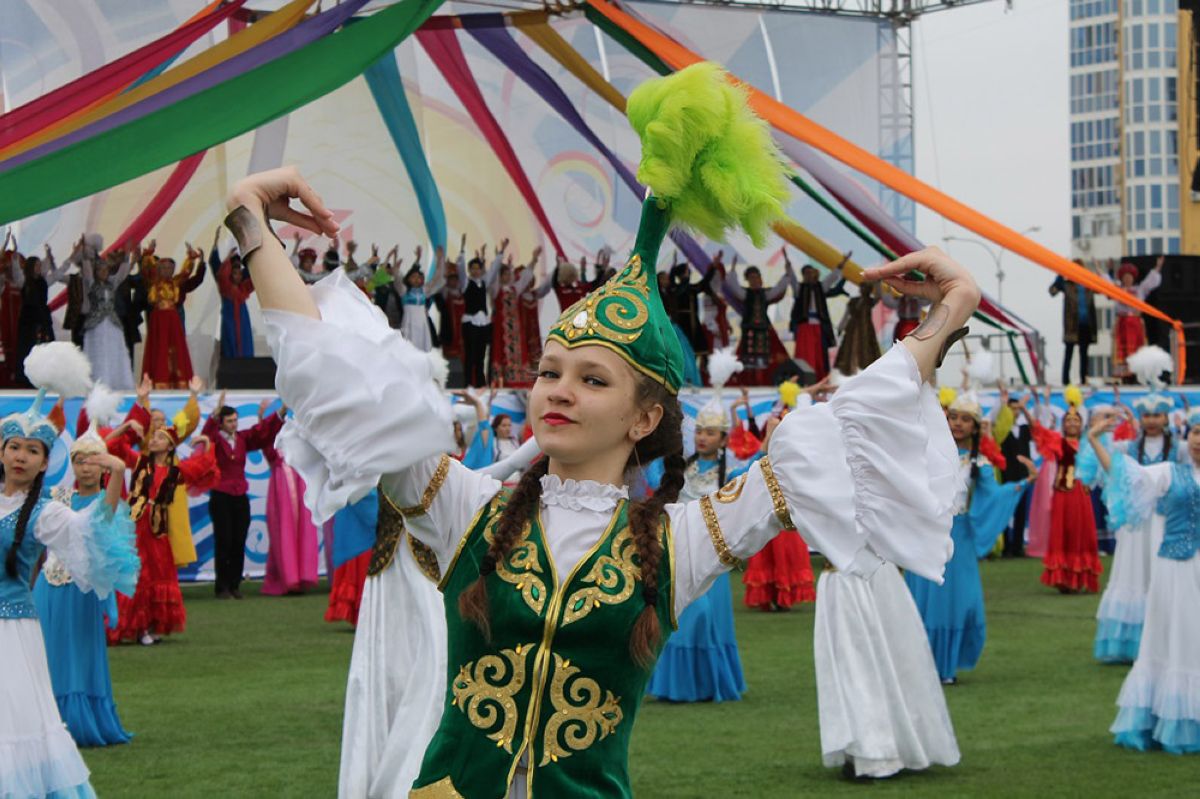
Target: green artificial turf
(248, 703)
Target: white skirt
(879, 698)
(1124, 599)
(104, 346)
(415, 327)
(37, 754)
(1163, 687)
(397, 683)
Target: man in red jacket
(228, 505)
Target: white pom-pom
(722, 365)
(984, 369)
(102, 405)
(439, 367)
(95, 241)
(836, 378)
(59, 367)
(1148, 363)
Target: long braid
(644, 516)
(473, 601)
(31, 500)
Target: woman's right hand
(1103, 422)
(270, 194)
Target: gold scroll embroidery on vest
(610, 580)
(484, 690)
(520, 567)
(580, 716)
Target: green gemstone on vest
(556, 686)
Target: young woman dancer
(1139, 532)
(559, 594)
(1072, 559)
(953, 611)
(37, 755)
(1159, 703)
(73, 621)
(156, 608)
(700, 661)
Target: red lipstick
(556, 419)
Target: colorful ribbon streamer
(278, 46)
(490, 31)
(112, 77)
(163, 199)
(383, 78)
(208, 117)
(441, 44)
(797, 125)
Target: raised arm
(365, 406)
(733, 286)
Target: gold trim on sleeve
(777, 499)
(431, 490)
(718, 538)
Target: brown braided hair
(666, 442)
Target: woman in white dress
(103, 333)
(1159, 703)
(605, 399)
(37, 755)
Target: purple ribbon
(490, 31)
(285, 43)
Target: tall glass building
(1125, 183)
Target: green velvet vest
(557, 683)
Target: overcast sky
(990, 93)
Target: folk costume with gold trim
(564, 598)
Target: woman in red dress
(166, 358)
(156, 607)
(1072, 559)
(781, 574)
(509, 362)
(531, 331)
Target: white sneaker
(147, 640)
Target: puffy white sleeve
(96, 545)
(363, 399)
(872, 474)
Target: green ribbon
(209, 117)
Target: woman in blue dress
(1159, 703)
(37, 755)
(953, 611)
(700, 662)
(73, 621)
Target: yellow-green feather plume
(706, 154)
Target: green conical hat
(626, 314)
(711, 164)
